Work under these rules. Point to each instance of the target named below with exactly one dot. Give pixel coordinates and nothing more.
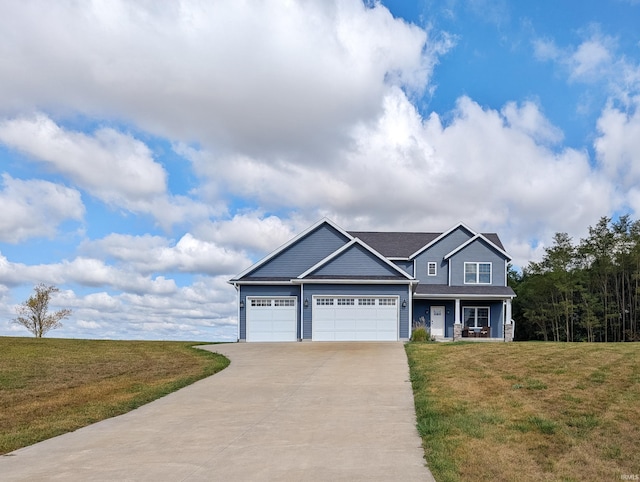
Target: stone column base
(508, 332)
(457, 331)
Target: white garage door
(354, 318)
(271, 319)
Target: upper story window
(432, 268)
(477, 273)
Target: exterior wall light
(404, 303)
(306, 302)
(241, 304)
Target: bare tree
(33, 313)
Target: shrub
(419, 334)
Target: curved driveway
(280, 411)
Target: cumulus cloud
(85, 272)
(618, 149)
(155, 254)
(35, 208)
(256, 77)
(189, 313)
(114, 167)
(488, 168)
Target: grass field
(52, 386)
(528, 411)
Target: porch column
(508, 325)
(457, 324)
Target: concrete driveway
(283, 411)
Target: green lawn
(51, 386)
(528, 411)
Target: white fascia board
(353, 281)
(462, 297)
(473, 239)
(442, 236)
(264, 282)
(293, 240)
(344, 248)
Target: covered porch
(469, 313)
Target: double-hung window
(475, 317)
(432, 268)
(477, 273)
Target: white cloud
(114, 167)
(591, 59)
(251, 232)
(35, 208)
(488, 168)
(256, 77)
(618, 150)
(155, 254)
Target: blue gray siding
(356, 261)
(437, 253)
(481, 252)
(309, 290)
(303, 254)
(264, 290)
(407, 266)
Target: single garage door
(355, 318)
(271, 319)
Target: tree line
(584, 291)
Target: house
(329, 284)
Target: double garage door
(334, 318)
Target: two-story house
(328, 284)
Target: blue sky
(151, 151)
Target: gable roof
(336, 254)
(473, 240)
(407, 245)
(289, 243)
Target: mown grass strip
(52, 386)
(527, 411)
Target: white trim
(348, 246)
(355, 281)
(472, 240)
(442, 236)
(301, 312)
(266, 282)
(488, 308)
(293, 240)
(477, 282)
(419, 296)
(435, 268)
(239, 314)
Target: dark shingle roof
(431, 289)
(403, 245)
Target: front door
(437, 321)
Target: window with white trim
(284, 302)
(432, 268)
(346, 301)
(261, 302)
(476, 316)
(366, 301)
(387, 302)
(477, 273)
(324, 301)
